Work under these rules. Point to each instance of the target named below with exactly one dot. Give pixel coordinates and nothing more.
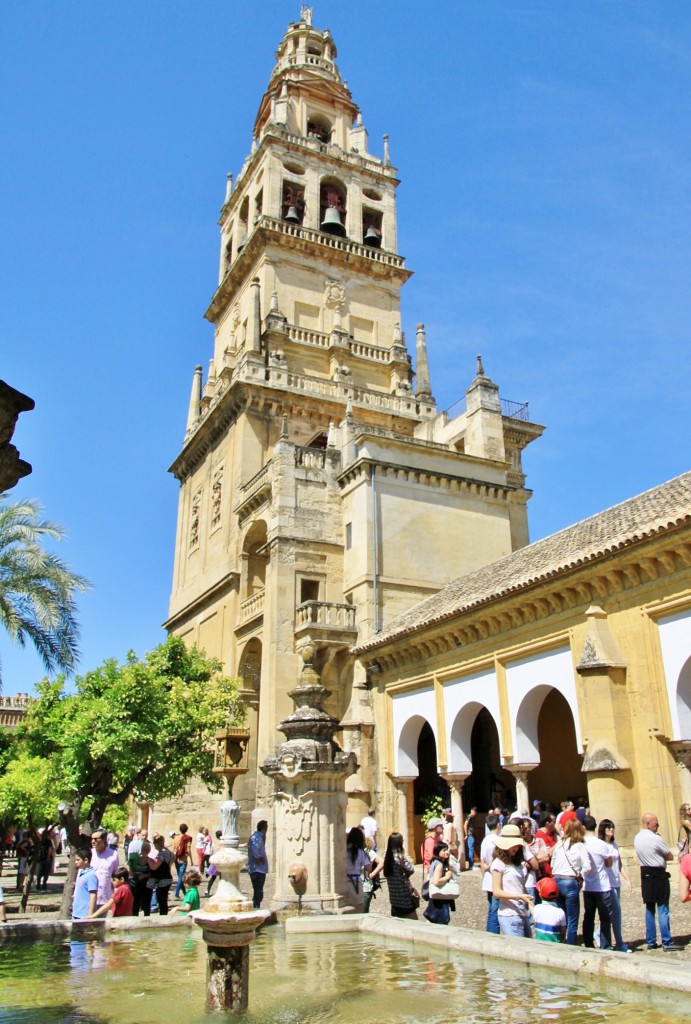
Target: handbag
(579, 876)
(449, 890)
(414, 896)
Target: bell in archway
(332, 222)
(372, 237)
(292, 216)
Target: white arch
(528, 682)
(527, 749)
(410, 712)
(684, 699)
(675, 641)
(460, 756)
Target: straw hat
(510, 837)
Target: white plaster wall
(675, 641)
(411, 709)
(463, 699)
(530, 679)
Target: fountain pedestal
(229, 923)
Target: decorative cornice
(227, 582)
(570, 590)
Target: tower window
(258, 204)
(293, 203)
(348, 537)
(332, 207)
(319, 128)
(242, 222)
(309, 590)
(371, 228)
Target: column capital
(521, 769)
(456, 778)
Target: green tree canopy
(37, 589)
(144, 727)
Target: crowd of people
(539, 872)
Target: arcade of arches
(556, 777)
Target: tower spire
(195, 399)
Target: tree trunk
(29, 877)
(69, 819)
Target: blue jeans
(602, 903)
(615, 911)
(514, 924)
(180, 888)
(569, 902)
(471, 849)
(492, 914)
(663, 918)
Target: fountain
(228, 921)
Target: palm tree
(37, 589)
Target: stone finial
(349, 409)
(229, 187)
(274, 302)
(600, 649)
(284, 427)
(273, 108)
(423, 387)
(195, 399)
(480, 371)
(306, 14)
(331, 436)
(387, 156)
(397, 336)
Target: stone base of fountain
(229, 923)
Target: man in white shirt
(653, 855)
(596, 888)
(487, 849)
(105, 863)
(369, 827)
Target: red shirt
(182, 850)
(123, 900)
(548, 838)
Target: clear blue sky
(545, 207)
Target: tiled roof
(647, 514)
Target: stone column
(520, 774)
(401, 782)
(456, 781)
(255, 333)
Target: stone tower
(321, 493)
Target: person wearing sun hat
(508, 883)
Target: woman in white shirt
(569, 863)
(508, 883)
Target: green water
(321, 979)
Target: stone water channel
(158, 976)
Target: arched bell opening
(371, 228)
(319, 127)
(558, 775)
(243, 220)
(250, 673)
(293, 203)
(332, 207)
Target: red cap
(547, 888)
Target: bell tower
(321, 492)
(308, 237)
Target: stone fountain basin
(229, 927)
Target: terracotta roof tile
(652, 512)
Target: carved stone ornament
(216, 495)
(235, 319)
(194, 519)
(334, 296)
(298, 818)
